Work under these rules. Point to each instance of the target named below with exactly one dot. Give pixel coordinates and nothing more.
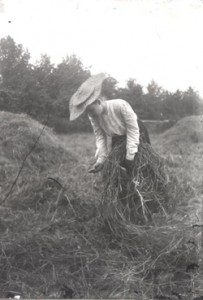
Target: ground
(54, 241)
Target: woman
(115, 118)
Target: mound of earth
(26, 144)
(185, 136)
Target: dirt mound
(26, 144)
(184, 136)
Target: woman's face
(95, 108)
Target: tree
(43, 70)
(37, 89)
(153, 101)
(171, 106)
(190, 103)
(67, 77)
(109, 89)
(154, 90)
(133, 93)
(135, 89)
(180, 104)
(64, 81)
(14, 64)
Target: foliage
(44, 88)
(14, 64)
(39, 88)
(109, 88)
(133, 93)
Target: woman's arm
(132, 130)
(101, 141)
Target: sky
(146, 40)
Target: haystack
(133, 200)
(183, 137)
(20, 148)
(39, 235)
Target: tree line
(43, 90)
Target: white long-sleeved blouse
(118, 119)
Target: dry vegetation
(55, 241)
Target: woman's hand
(97, 167)
(129, 166)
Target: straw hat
(87, 93)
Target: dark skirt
(144, 135)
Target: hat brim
(87, 93)
(77, 111)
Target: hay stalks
(128, 201)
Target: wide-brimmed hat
(87, 93)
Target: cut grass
(52, 241)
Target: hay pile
(182, 148)
(133, 200)
(18, 136)
(183, 137)
(41, 231)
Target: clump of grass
(133, 199)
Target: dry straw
(132, 200)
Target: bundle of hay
(30, 151)
(127, 200)
(183, 136)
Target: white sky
(142, 39)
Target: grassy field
(54, 239)
(186, 166)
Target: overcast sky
(141, 39)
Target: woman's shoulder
(117, 102)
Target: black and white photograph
(101, 149)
